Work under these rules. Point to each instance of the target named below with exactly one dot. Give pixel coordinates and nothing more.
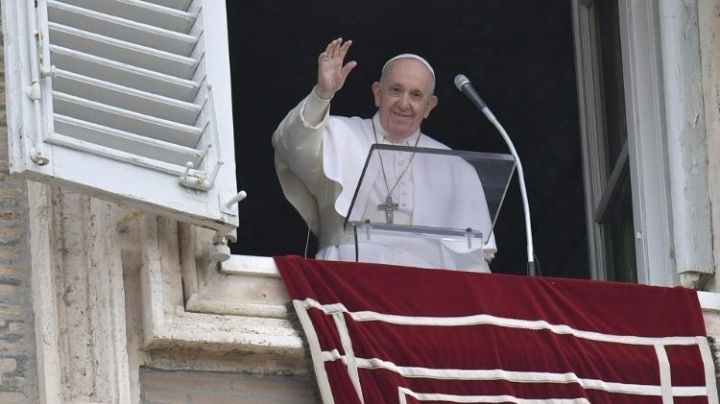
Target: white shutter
(133, 101)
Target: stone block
(11, 235)
(8, 215)
(17, 327)
(189, 380)
(10, 347)
(11, 193)
(10, 272)
(13, 398)
(220, 398)
(11, 383)
(11, 310)
(10, 252)
(8, 292)
(164, 397)
(7, 365)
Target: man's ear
(432, 103)
(376, 89)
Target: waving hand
(331, 71)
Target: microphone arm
(463, 84)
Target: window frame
(647, 147)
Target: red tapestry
(390, 334)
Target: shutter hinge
(199, 180)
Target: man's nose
(404, 101)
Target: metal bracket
(50, 72)
(39, 156)
(217, 253)
(33, 91)
(199, 179)
(229, 206)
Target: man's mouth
(401, 115)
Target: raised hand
(331, 71)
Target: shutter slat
(129, 121)
(122, 51)
(125, 141)
(120, 28)
(131, 159)
(176, 4)
(126, 98)
(141, 11)
(123, 73)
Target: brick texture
(191, 387)
(18, 374)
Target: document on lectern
(432, 203)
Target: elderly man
(319, 160)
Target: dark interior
(519, 56)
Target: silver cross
(389, 207)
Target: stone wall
(18, 376)
(161, 387)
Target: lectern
(437, 206)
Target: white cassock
(319, 160)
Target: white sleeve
(298, 139)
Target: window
(527, 79)
(123, 101)
(607, 174)
(645, 172)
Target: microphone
(463, 84)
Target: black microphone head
(461, 81)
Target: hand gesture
(331, 71)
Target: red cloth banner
(390, 334)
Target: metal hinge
(199, 180)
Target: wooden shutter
(132, 101)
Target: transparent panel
(444, 200)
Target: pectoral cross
(389, 206)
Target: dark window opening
(519, 56)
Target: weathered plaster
(709, 27)
(686, 138)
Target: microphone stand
(523, 190)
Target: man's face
(404, 97)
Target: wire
(307, 242)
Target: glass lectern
(438, 206)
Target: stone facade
(18, 377)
